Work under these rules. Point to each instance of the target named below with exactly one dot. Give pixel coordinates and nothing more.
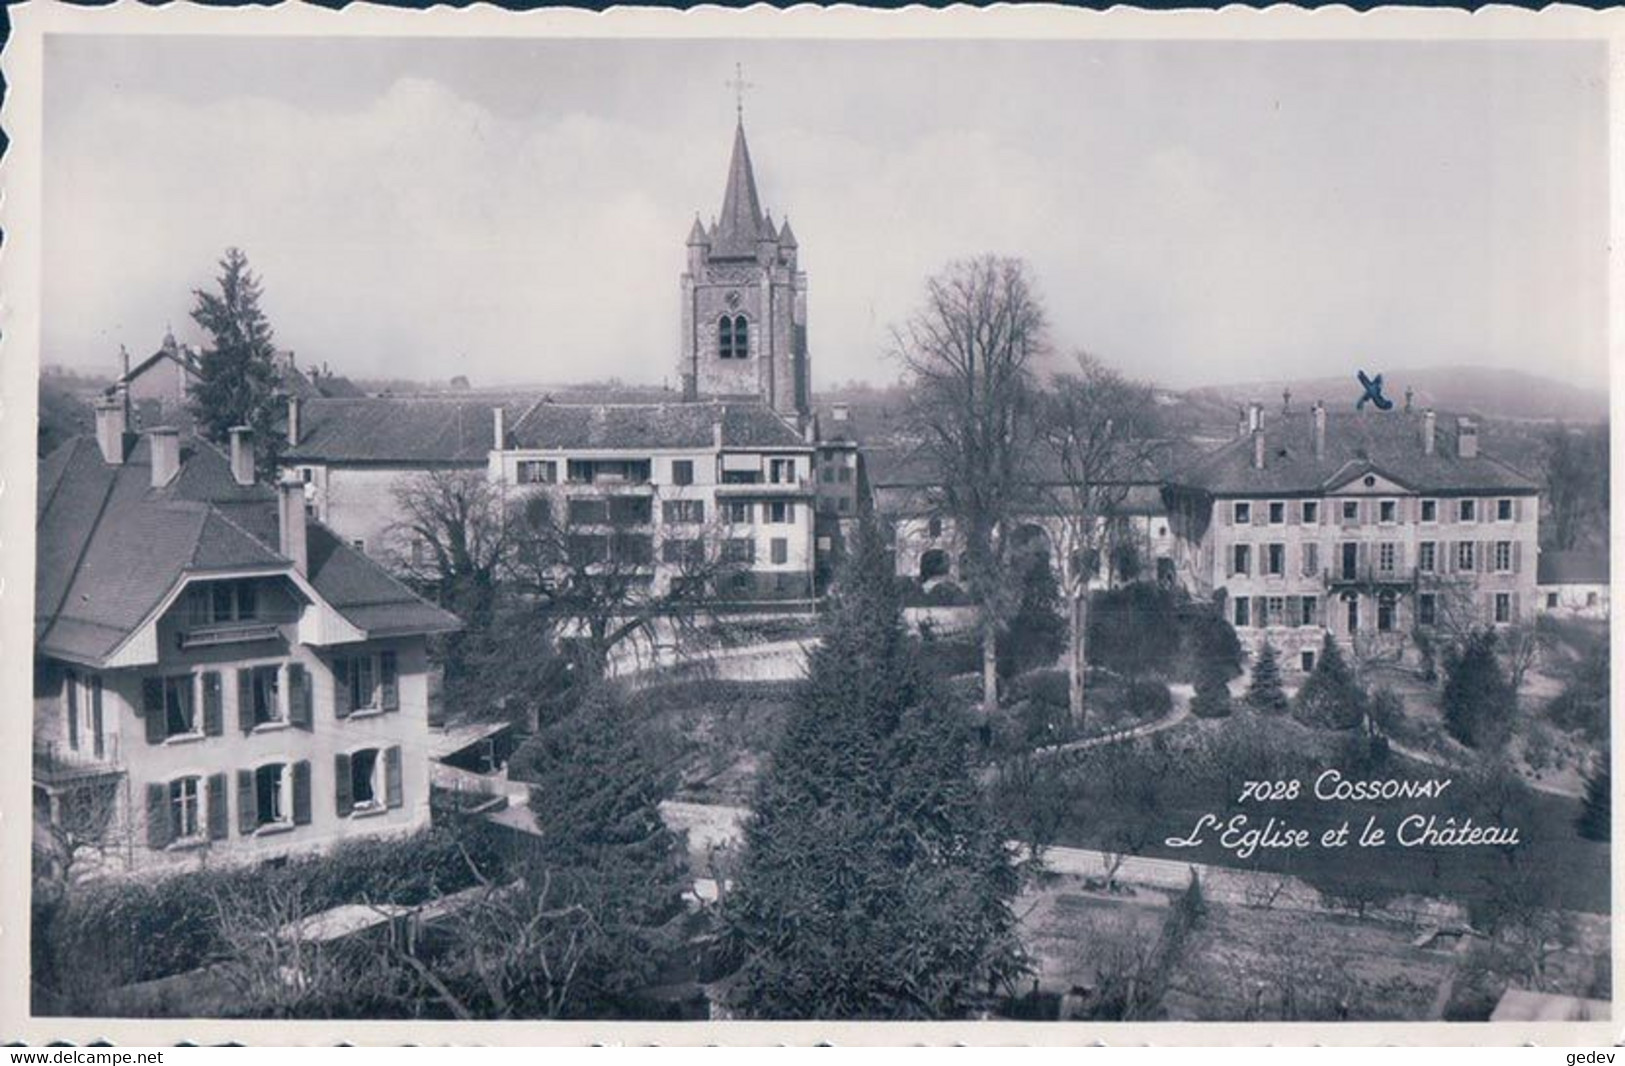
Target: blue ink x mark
(1373, 392)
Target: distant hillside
(1501, 394)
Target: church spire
(741, 223)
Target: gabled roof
(389, 429)
(111, 548)
(561, 426)
(1572, 568)
(1386, 443)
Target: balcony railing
(1369, 574)
(796, 487)
(210, 634)
(58, 763)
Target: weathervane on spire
(739, 85)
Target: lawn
(1134, 796)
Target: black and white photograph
(918, 521)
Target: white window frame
(1387, 557)
(1466, 555)
(199, 809)
(375, 782)
(1512, 511)
(1503, 547)
(1502, 606)
(282, 797)
(1427, 556)
(1309, 512)
(1241, 512)
(1386, 504)
(1269, 514)
(1307, 606)
(1422, 512)
(1467, 510)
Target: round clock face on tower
(732, 299)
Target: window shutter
(392, 776)
(96, 714)
(216, 800)
(1227, 511)
(70, 686)
(387, 681)
(1484, 560)
(1517, 559)
(301, 792)
(245, 701)
(248, 815)
(341, 690)
(1516, 606)
(152, 708)
(1517, 508)
(158, 829)
(1293, 512)
(299, 703)
(1260, 512)
(1363, 559)
(1447, 510)
(341, 783)
(214, 712)
(1294, 611)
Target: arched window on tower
(741, 337)
(725, 337)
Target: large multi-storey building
(217, 679)
(1366, 525)
(659, 488)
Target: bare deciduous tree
(969, 354)
(1095, 426)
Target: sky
(516, 210)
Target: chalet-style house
(1365, 525)
(217, 678)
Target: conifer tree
(1596, 812)
(1264, 693)
(1212, 699)
(237, 376)
(1330, 698)
(1479, 702)
(608, 861)
(1037, 632)
(875, 882)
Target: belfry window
(733, 337)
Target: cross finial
(739, 85)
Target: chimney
(1320, 430)
(293, 421)
(290, 521)
(1466, 438)
(1255, 417)
(1410, 397)
(1258, 449)
(1429, 425)
(809, 429)
(166, 454)
(124, 357)
(716, 430)
(839, 412)
(499, 428)
(1242, 426)
(242, 455)
(1286, 401)
(112, 421)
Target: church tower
(745, 302)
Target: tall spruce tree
(875, 882)
(1264, 692)
(1596, 812)
(605, 856)
(1330, 698)
(237, 376)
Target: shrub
(1582, 706)
(1051, 687)
(952, 656)
(1330, 698)
(947, 594)
(1212, 699)
(1148, 699)
(1037, 632)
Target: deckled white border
(19, 359)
